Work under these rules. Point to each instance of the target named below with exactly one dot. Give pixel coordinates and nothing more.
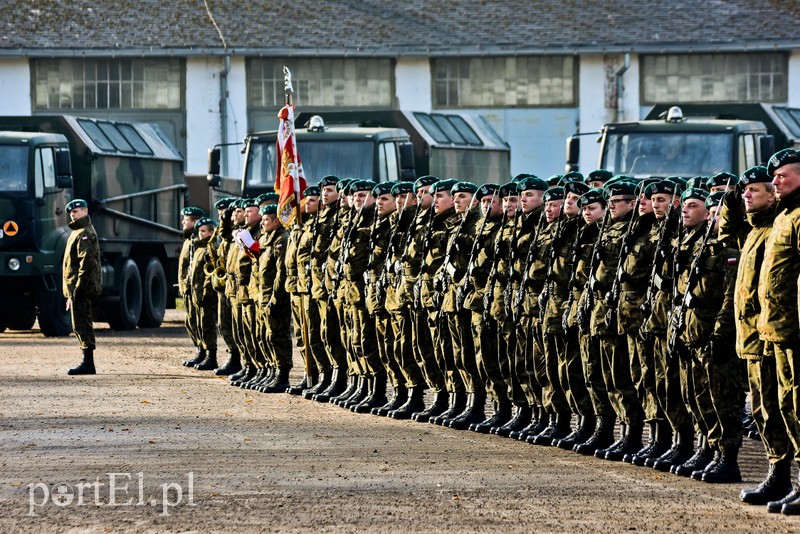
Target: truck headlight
(13, 264)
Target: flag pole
(298, 220)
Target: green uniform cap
(599, 175)
(697, 181)
(714, 199)
(361, 185)
(572, 176)
(666, 187)
(80, 203)
(507, 190)
(620, 187)
(312, 191)
(401, 188)
(224, 203)
(269, 209)
(532, 182)
(383, 188)
(554, 180)
(518, 178)
(486, 190)
(757, 174)
(464, 187)
(341, 185)
(328, 180)
(203, 221)
(781, 158)
(443, 185)
(554, 193)
(188, 211)
(722, 178)
(595, 194)
(422, 181)
(576, 188)
(248, 202)
(694, 193)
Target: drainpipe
(620, 115)
(223, 107)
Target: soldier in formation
(585, 309)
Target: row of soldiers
(605, 300)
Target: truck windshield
(345, 159)
(13, 168)
(686, 154)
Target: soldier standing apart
(204, 297)
(82, 280)
(190, 215)
(777, 293)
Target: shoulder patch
(733, 261)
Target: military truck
(376, 145)
(132, 178)
(693, 140)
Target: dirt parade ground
(148, 445)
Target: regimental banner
(290, 181)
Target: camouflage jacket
(81, 267)
(326, 221)
(379, 246)
(559, 274)
(401, 220)
(271, 271)
(637, 261)
(201, 288)
(434, 255)
(777, 282)
(661, 284)
(608, 253)
(539, 251)
(581, 262)
(243, 268)
(502, 266)
(358, 253)
(184, 260)
(411, 261)
(345, 216)
(459, 245)
(478, 277)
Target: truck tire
(124, 313)
(54, 319)
(23, 318)
(154, 293)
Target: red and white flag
(290, 182)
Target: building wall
(413, 90)
(794, 79)
(15, 86)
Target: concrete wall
(413, 84)
(15, 87)
(794, 79)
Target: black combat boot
(248, 372)
(583, 432)
(523, 433)
(676, 455)
(522, 418)
(542, 424)
(726, 470)
(376, 397)
(791, 506)
(775, 507)
(280, 383)
(398, 399)
(241, 372)
(353, 382)
(659, 443)
(232, 366)
(776, 485)
(500, 416)
(257, 380)
(359, 394)
(697, 474)
(702, 456)
(210, 361)
(337, 386)
(437, 407)
(601, 453)
(317, 385)
(456, 405)
(473, 413)
(301, 386)
(86, 367)
(647, 447)
(631, 442)
(199, 355)
(545, 437)
(602, 437)
(415, 402)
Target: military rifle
(344, 252)
(508, 290)
(529, 257)
(314, 235)
(659, 257)
(544, 296)
(488, 295)
(442, 282)
(572, 269)
(584, 312)
(417, 291)
(612, 297)
(466, 285)
(398, 268)
(380, 285)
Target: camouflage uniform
(249, 328)
(184, 288)
(82, 278)
(334, 286)
(221, 246)
(204, 297)
(274, 301)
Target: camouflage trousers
(711, 392)
(207, 322)
(762, 377)
(554, 395)
(537, 364)
(787, 364)
(278, 333)
(442, 346)
(237, 325)
(616, 365)
(225, 322)
(190, 320)
(512, 374)
(454, 382)
(404, 349)
(363, 341)
(82, 326)
(593, 373)
(346, 333)
(487, 354)
(668, 387)
(386, 348)
(315, 360)
(643, 373)
(570, 372)
(423, 350)
(330, 333)
(465, 358)
(524, 361)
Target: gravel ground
(191, 453)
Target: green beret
(714, 199)
(532, 182)
(620, 187)
(267, 197)
(80, 203)
(486, 190)
(697, 181)
(694, 193)
(554, 180)
(757, 174)
(507, 190)
(328, 180)
(554, 193)
(401, 188)
(781, 158)
(188, 211)
(383, 188)
(341, 185)
(248, 202)
(518, 178)
(722, 178)
(269, 209)
(593, 195)
(665, 187)
(422, 181)
(464, 187)
(572, 176)
(642, 185)
(203, 221)
(312, 191)
(224, 203)
(443, 186)
(576, 188)
(361, 185)
(599, 175)
(680, 181)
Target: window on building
(520, 81)
(322, 82)
(701, 78)
(131, 83)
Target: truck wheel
(22, 319)
(154, 294)
(54, 319)
(124, 314)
